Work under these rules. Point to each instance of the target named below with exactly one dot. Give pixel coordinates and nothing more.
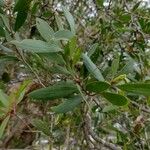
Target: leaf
(22, 5)
(63, 35)
(136, 5)
(97, 86)
(5, 49)
(91, 67)
(137, 88)
(6, 21)
(68, 105)
(22, 8)
(2, 3)
(115, 99)
(115, 66)
(92, 49)
(4, 98)
(109, 108)
(3, 125)
(70, 19)
(7, 58)
(36, 46)
(59, 69)
(41, 126)
(45, 30)
(21, 18)
(100, 2)
(58, 90)
(54, 57)
(59, 22)
(2, 32)
(18, 96)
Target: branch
(96, 138)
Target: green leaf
(41, 126)
(2, 32)
(36, 46)
(92, 49)
(115, 66)
(45, 30)
(63, 35)
(115, 99)
(109, 108)
(22, 5)
(21, 18)
(18, 96)
(7, 58)
(97, 86)
(3, 126)
(59, 70)
(137, 88)
(58, 90)
(6, 21)
(100, 2)
(91, 67)
(70, 19)
(4, 99)
(68, 105)
(59, 22)
(54, 57)
(2, 3)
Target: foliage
(85, 67)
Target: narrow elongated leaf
(92, 49)
(6, 21)
(114, 66)
(97, 86)
(137, 88)
(115, 99)
(22, 5)
(21, 18)
(4, 98)
(54, 57)
(41, 126)
(8, 58)
(63, 35)
(59, 90)
(68, 105)
(3, 126)
(59, 22)
(45, 30)
(109, 108)
(92, 68)
(2, 32)
(17, 96)
(70, 19)
(36, 46)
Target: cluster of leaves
(104, 73)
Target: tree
(82, 74)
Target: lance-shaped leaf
(21, 18)
(63, 35)
(115, 99)
(68, 105)
(45, 30)
(92, 68)
(58, 90)
(4, 99)
(41, 126)
(97, 86)
(137, 88)
(37, 46)
(70, 19)
(3, 126)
